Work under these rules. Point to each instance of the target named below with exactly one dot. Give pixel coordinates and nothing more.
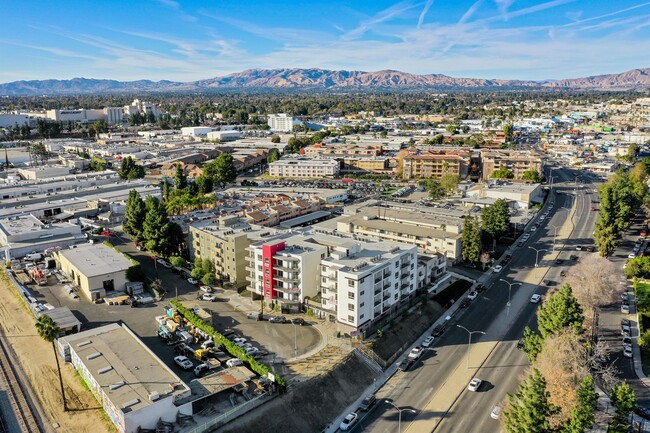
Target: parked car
(278, 319)
(192, 281)
(108, 233)
(427, 341)
(208, 297)
(642, 411)
(535, 298)
(625, 309)
(206, 289)
(438, 331)
(254, 315)
(234, 362)
(496, 411)
(415, 353)
(625, 322)
(497, 269)
(578, 247)
(627, 340)
(562, 273)
(627, 351)
(405, 364)
(367, 403)
(474, 384)
(472, 295)
(183, 362)
(626, 331)
(464, 303)
(349, 421)
(479, 288)
(298, 321)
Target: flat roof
(63, 317)
(402, 228)
(125, 369)
(20, 225)
(96, 259)
(305, 219)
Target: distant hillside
(321, 79)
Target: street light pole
(295, 339)
(469, 343)
(509, 290)
(537, 253)
(399, 423)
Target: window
(351, 319)
(362, 304)
(396, 274)
(361, 293)
(351, 307)
(350, 283)
(362, 280)
(324, 280)
(361, 317)
(350, 295)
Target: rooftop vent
(104, 369)
(131, 403)
(84, 343)
(93, 355)
(116, 385)
(153, 396)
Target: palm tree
(48, 331)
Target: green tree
(275, 139)
(560, 310)
(533, 343)
(222, 170)
(209, 279)
(180, 178)
(197, 268)
(582, 413)
(204, 184)
(434, 188)
(178, 261)
(134, 215)
(449, 182)
(532, 175)
(471, 240)
(156, 227)
(606, 239)
(274, 155)
(529, 409)
(165, 188)
(502, 173)
(49, 332)
(130, 170)
(508, 131)
(175, 238)
(496, 218)
(623, 399)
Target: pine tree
(180, 178)
(156, 227)
(496, 218)
(471, 240)
(134, 214)
(561, 309)
(529, 409)
(623, 399)
(224, 170)
(582, 414)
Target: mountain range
(322, 79)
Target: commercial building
(302, 167)
(518, 162)
(431, 230)
(223, 136)
(133, 386)
(20, 235)
(521, 195)
(281, 122)
(94, 268)
(196, 131)
(44, 172)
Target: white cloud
(469, 12)
(426, 8)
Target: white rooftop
(96, 259)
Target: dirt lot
(37, 360)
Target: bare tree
(595, 282)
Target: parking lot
(282, 341)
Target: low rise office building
(302, 167)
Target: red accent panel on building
(267, 267)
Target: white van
(34, 257)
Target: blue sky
(190, 40)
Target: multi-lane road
(433, 394)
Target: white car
(183, 362)
(496, 411)
(349, 421)
(625, 309)
(497, 269)
(535, 298)
(475, 384)
(627, 351)
(206, 289)
(472, 295)
(533, 228)
(192, 281)
(631, 255)
(208, 297)
(234, 362)
(415, 353)
(427, 341)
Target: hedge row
(224, 343)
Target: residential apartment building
(436, 163)
(302, 167)
(285, 269)
(518, 162)
(225, 243)
(281, 122)
(340, 149)
(362, 282)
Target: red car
(108, 233)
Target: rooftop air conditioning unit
(153, 396)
